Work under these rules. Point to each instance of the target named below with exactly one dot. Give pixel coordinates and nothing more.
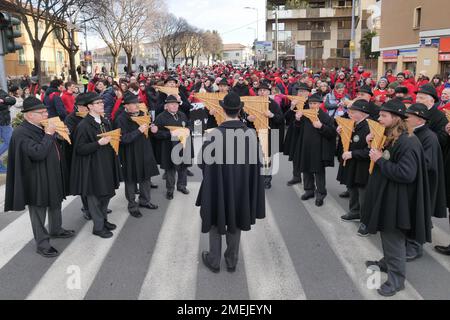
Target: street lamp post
(353, 36)
(257, 20)
(254, 44)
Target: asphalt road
(298, 252)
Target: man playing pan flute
(35, 177)
(316, 145)
(136, 155)
(95, 171)
(169, 139)
(355, 173)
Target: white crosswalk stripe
(269, 268)
(351, 250)
(86, 253)
(439, 237)
(172, 273)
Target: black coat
(136, 152)
(315, 148)
(71, 121)
(446, 152)
(95, 169)
(437, 122)
(232, 196)
(398, 195)
(35, 175)
(241, 89)
(276, 123)
(165, 138)
(8, 101)
(356, 170)
(435, 168)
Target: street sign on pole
(300, 52)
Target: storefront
(409, 59)
(444, 56)
(390, 60)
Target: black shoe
(344, 194)
(108, 211)
(231, 269)
(378, 264)
(64, 234)
(87, 215)
(267, 185)
(154, 186)
(189, 173)
(294, 181)
(351, 217)
(105, 233)
(149, 206)
(169, 195)
(110, 226)
(183, 190)
(307, 196)
(362, 231)
(136, 214)
(207, 264)
(319, 202)
(412, 258)
(443, 250)
(48, 253)
(386, 290)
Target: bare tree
(40, 18)
(164, 26)
(178, 39)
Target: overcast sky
(227, 16)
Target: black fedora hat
(429, 90)
(366, 89)
(264, 85)
(361, 105)
(304, 87)
(171, 99)
(418, 109)
(32, 103)
(223, 82)
(401, 89)
(129, 98)
(80, 100)
(315, 98)
(91, 97)
(171, 79)
(395, 106)
(232, 101)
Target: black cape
(35, 175)
(315, 148)
(165, 138)
(446, 153)
(437, 122)
(232, 196)
(292, 133)
(397, 195)
(95, 169)
(435, 168)
(136, 152)
(356, 170)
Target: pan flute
(143, 108)
(168, 90)
(61, 128)
(183, 137)
(142, 120)
(211, 101)
(82, 114)
(300, 102)
(377, 130)
(258, 107)
(311, 114)
(347, 126)
(115, 139)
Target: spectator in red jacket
(421, 80)
(445, 100)
(401, 79)
(438, 84)
(380, 92)
(389, 76)
(68, 97)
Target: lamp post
(353, 36)
(254, 44)
(257, 20)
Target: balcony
(312, 13)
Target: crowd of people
(409, 184)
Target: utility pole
(353, 36)
(3, 82)
(276, 36)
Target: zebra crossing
(297, 252)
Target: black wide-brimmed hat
(264, 85)
(418, 109)
(129, 98)
(361, 105)
(91, 97)
(32, 103)
(366, 89)
(401, 89)
(223, 82)
(395, 106)
(315, 98)
(303, 86)
(232, 101)
(171, 99)
(80, 100)
(171, 79)
(429, 90)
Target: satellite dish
(374, 21)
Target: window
(344, 3)
(317, 4)
(22, 56)
(237, 54)
(345, 24)
(280, 26)
(417, 17)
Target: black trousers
(394, 250)
(181, 170)
(315, 183)
(144, 194)
(40, 233)
(215, 248)
(98, 209)
(356, 199)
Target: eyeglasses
(41, 112)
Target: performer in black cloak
(136, 157)
(72, 121)
(355, 174)
(397, 201)
(35, 176)
(231, 195)
(95, 171)
(211, 120)
(293, 132)
(173, 117)
(417, 122)
(315, 149)
(446, 152)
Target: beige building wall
(426, 61)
